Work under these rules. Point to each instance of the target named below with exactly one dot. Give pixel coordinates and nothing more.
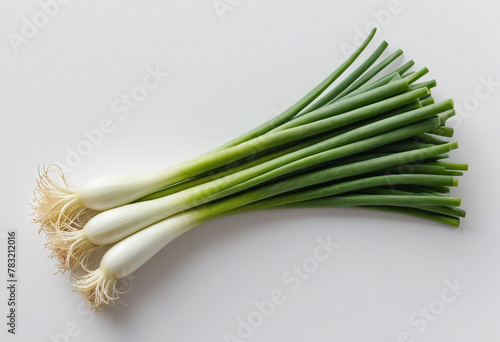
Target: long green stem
(355, 200)
(310, 142)
(416, 75)
(451, 221)
(302, 103)
(348, 143)
(240, 166)
(352, 186)
(320, 177)
(409, 205)
(364, 99)
(328, 98)
(213, 160)
(344, 145)
(411, 191)
(384, 80)
(370, 74)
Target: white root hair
(71, 248)
(56, 204)
(99, 287)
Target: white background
(227, 74)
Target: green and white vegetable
(368, 142)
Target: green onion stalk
(375, 140)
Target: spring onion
(373, 141)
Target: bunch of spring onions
(374, 140)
